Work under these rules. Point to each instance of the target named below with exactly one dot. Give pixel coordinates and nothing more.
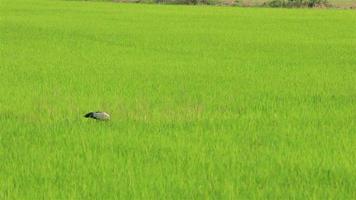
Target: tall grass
(206, 102)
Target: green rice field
(206, 102)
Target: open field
(206, 102)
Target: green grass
(206, 102)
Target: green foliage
(206, 102)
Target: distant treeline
(260, 3)
(297, 3)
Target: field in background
(340, 4)
(206, 102)
(345, 4)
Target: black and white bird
(98, 116)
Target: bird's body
(98, 115)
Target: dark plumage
(89, 115)
(98, 115)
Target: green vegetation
(206, 102)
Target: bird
(103, 116)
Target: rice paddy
(205, 102)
